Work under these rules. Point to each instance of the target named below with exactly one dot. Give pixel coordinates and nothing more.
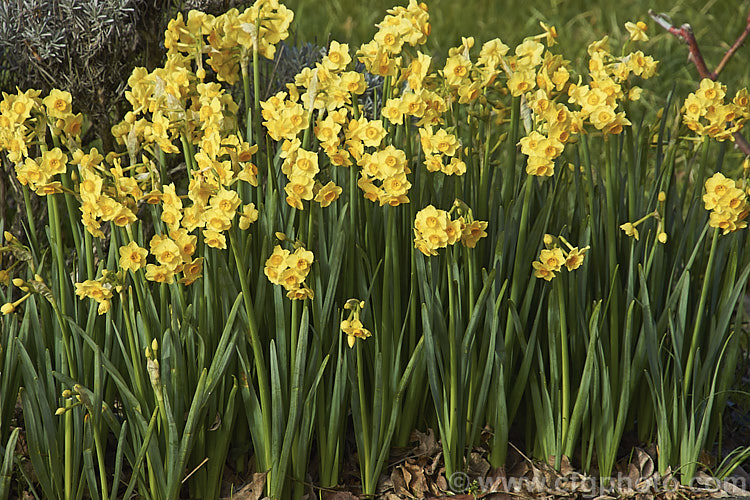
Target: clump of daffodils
(440, 150)
(543, 80)
(706, 112)
(352, 326)
(383, 176)
(402, 25)
(434, 229)
(552, 258)
(228, 39)
(727, 201)
(610, 85)
(290, 269)
(24, 119)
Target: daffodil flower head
(637, 31)
(352, 326)
(630, 229)
(727, 201)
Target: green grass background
(716, 24)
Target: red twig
(685, 33)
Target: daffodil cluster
(550, 123)
(706, 112)
(229, 39)
(173, 102)
(173, 253)
(434, 229)
(352, 326)
(24, 119)
(383, 176)
(324, 92)
(402, 25)
(552, 258)
(289, 269)
(609, 85)
(440, 150)
(727, 201)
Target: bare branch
(685, 33)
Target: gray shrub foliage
(87, 47)
(83, 46)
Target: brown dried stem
(685, 33)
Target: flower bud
(7, 308)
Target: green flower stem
(54, 218)
(310, 226)
(586, 159)
(704, 156)
(139, 279)
(613, 231)
(633, 179)
(407, 138)
(509, 183)
(451, 451)
(392, 241)
(364, 411)
(246, 93)
(256, 94)
(294, 325)
(516, 280)
(387, 91)
(352, 236)
(69, 450)
(264, 456)
(96, 427)
(375, 103)
(272, 181)
(30, 218)
(186, 153)
(384, 340)
(135, 355)
(66, 182)
(469, 260)
(565, 388)
(484, 171)
(72, 212)
(700, 313)
(355, 106)
(162, 166)
(88, 248)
